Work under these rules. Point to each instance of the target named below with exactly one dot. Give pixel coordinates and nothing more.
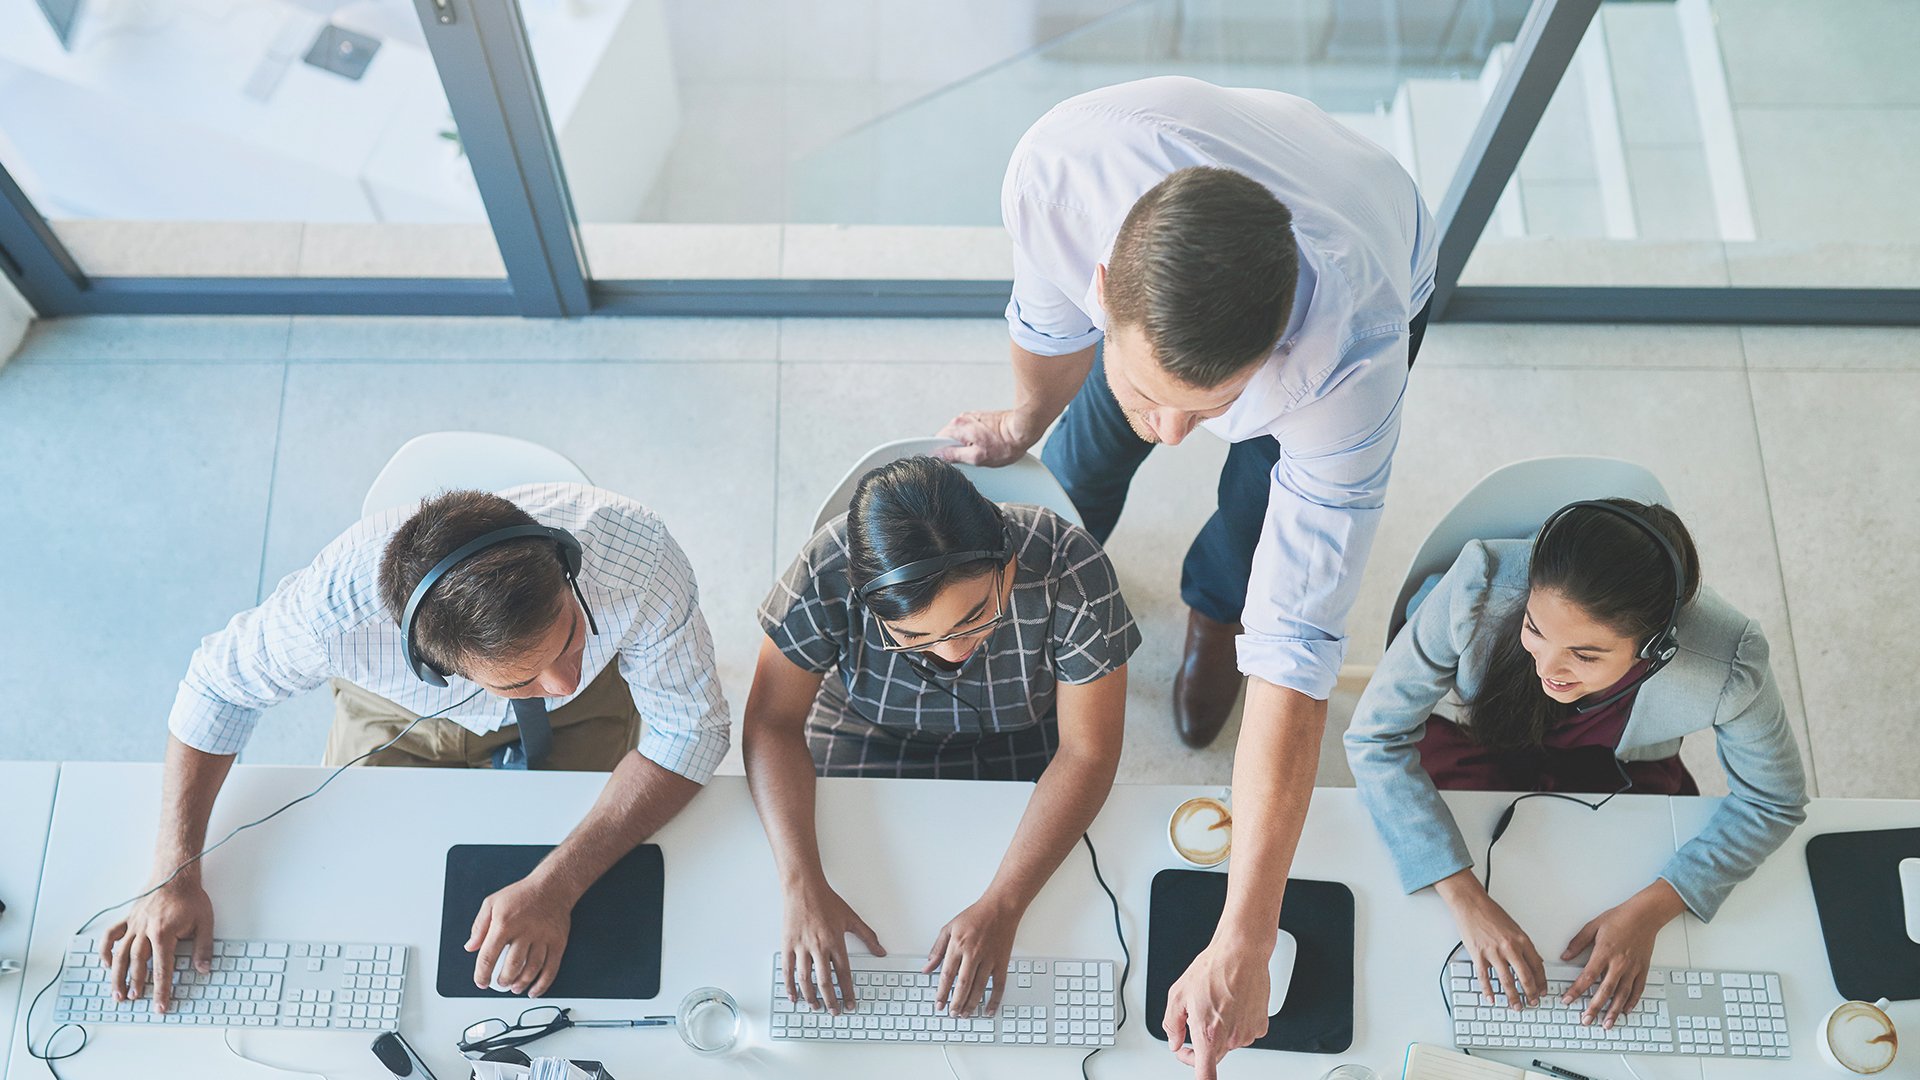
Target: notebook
(1428, 1062)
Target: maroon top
(1577, 755)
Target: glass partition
(238, 138)
(1722, 142)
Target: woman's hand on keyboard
(1622, 942)
(972, 948)
(814, 946)
(142, 944)
(1493, 940)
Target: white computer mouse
(1910, 896)
(500, 965)
(1280, 971)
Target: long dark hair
(1609, 569)
(913, 509)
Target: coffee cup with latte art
(1201, 831)
(1858, 1037)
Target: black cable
(45, 1053)
(1125, 953)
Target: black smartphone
(398, 1057)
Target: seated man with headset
(470, 611)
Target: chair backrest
(1512, 502)
(1024, 481)
(453, 460)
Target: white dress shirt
(1330, 393)
(328, 621)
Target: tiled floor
(162, 473)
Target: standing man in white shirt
(1255, 267)
(556, 593)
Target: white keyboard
(1736, 1014)
(1047, 1002)
(271, 984)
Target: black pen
(1563, 1074)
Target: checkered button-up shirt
(1067, 622)
(327, 621)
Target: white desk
(364, 862)
(1778, 900)
(26, 806)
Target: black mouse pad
(613, 949)
(1317, 1017)
(1856, 888)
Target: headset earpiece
(1662, 647)
(566, 547)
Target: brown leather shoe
(1208, 684)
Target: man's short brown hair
(493, 606)
(1205, 266)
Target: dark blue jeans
(1095, 453)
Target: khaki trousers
(591, 733)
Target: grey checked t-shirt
(1068, 624)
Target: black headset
(565, 546)
(922, 569)
(1660, 649)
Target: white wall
(14, 317)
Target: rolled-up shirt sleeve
(263, 656)
(1040, 318)
(1323, 509)
(669, 667)
(1052, 242)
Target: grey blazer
(1720, 678)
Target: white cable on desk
(1630, 1068)
(226, 1036)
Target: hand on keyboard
(971, 951)
(1491, 939)
(141, 946)
(534, 921)
(814, 944)
(1622, 942)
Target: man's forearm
(191, 783)
(639, 798)
(1273, 773)
(1065, 801)
(1043, 386)
(780, 775)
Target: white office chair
(456, 460)
(1512, 502)
(1024, 481)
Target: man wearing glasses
(933, 633)
(1188, 255)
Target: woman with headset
(1575, 663)
(933, 633)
